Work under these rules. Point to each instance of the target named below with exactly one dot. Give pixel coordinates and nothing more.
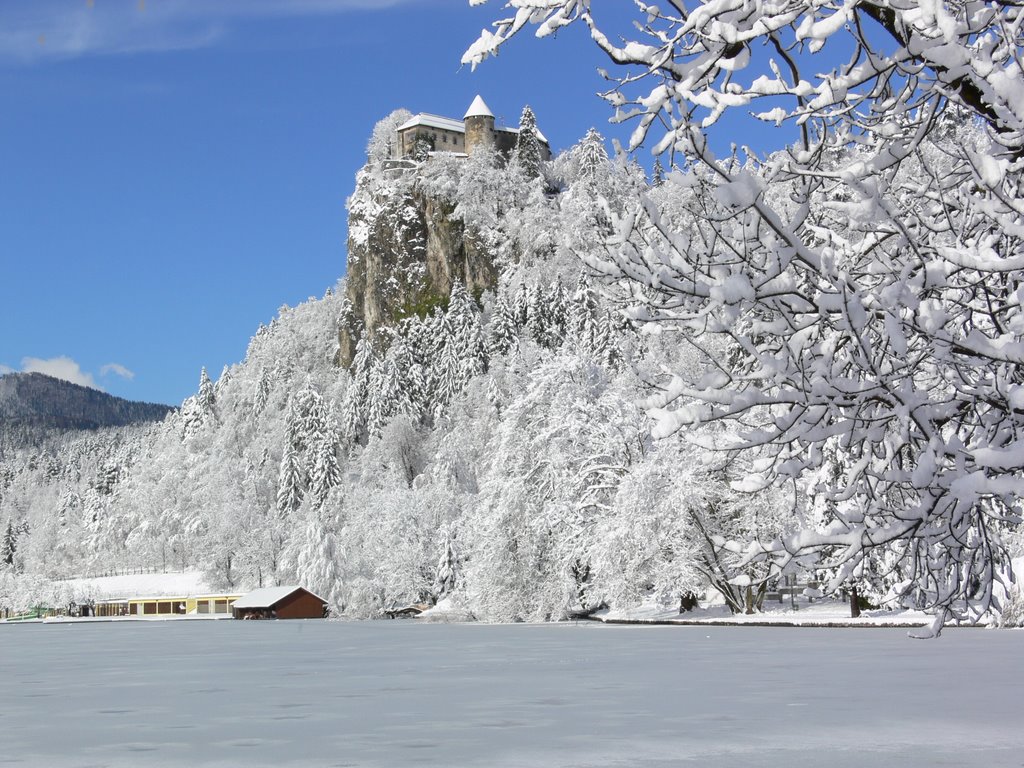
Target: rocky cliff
(406, 247)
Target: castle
(459, 137)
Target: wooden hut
(280, 603)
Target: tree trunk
(750, 600)
(854, 603)
(687, 602)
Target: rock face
(405, 250)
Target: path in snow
(407, 693)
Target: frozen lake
(233, 693)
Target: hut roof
(268, 597)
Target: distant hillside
(38, 401)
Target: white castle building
(459, 137)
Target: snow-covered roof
(478, 108)
(267, 597)
(433, 121)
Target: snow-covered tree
(867, 276)
(502, 336)
(317, 559)
(590, 157)
(528, 153)
(324, 470)
(657, 173)
(291, 485)
(9, 545)
(199, 409)
(385, 134)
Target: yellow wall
(171, 606)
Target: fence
(137, 571)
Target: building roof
(478, 108)
(268, 597)
(433, 121)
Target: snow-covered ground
(822, 612)
(141, 585)
(402, 693)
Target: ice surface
(406, 693)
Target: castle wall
(439, 139)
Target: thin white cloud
(5, 370)
(60, 368)
(43, 29)
(117, 369)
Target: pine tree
(591, 156)
(528, 153)
(557, 314)
(521, 306)
(502, 337)
(324, 470)
(604, 348)
(10, 545)
(198, 409)
(658, 173)
(291, 481)
(438, 369)
(467, 334)
(294, 432)
(416, 333)
(222, 382)
(107, 477)
(536, 315)
(447, 383)
(262, 394)
(207, 397)
(380, 397)
(354, 407)
(582, 313)
(410, 386)
(398, 388)
(311, 416)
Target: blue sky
(173, 171)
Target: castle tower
(479, 122)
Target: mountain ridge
(41, 401)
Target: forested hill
(483, 443)
(37, 401)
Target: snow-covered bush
(1013, 608)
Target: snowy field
(409, 693)
(140, 585)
